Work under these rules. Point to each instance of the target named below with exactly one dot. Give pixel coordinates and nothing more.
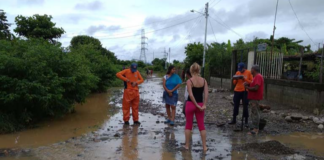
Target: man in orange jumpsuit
(131, 94)
(243, 75)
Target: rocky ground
(280, 119)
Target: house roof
(310, 56)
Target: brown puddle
(87, 118)
(310, 141)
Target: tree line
(219, 55)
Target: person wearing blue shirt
(171, 83)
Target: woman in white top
(188, 76)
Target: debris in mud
(266, 111)
(288, 119)
(269, 147)
(263, 107)
(318, 121)
(12, 152)
(320, 126)
(104, 138)
(96, 140)
(117, 135)
(296, 116)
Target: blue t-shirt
(172, 82)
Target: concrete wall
(216, 82)
(304, 95)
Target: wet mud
(110, 139)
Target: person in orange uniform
(240, 93)
(131, 94)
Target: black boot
(233, 121)
(246, 122)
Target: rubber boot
(233, 121)
(246, 122)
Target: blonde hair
(195, 69)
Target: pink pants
(192, 110)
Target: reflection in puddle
(88, 117)
(157, 140)
(242, 156)
(312, 141)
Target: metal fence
(271, 65)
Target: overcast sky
(117, 24)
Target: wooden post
(300, 63)
(233, 66)
(321, 69)
(255, 56)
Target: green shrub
(39, 80)
(100, 66)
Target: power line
(215, 4)
(224, 24)
(211, 26)
(189, 31)
(137, 30)
(227, 27)
(292, 8)
(140, 25)
(152, 30)
(211, 1)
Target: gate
(271, 65)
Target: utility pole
(321, 67)
(274, 28)
(206, 15)
(143, 47)
(205, 48)
(169, 56)
(300, 64)
(166, 58)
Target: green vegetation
(219, 55)
(38, 26)
(315, 73)
(4, 27)
(41, 79)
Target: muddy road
(96, 131)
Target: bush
(100, 66)
(39, 80)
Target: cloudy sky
(170, 24)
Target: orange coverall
(131, 94)
(240, 82)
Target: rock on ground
(320, 126)
(288, 119)
(296, 116)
